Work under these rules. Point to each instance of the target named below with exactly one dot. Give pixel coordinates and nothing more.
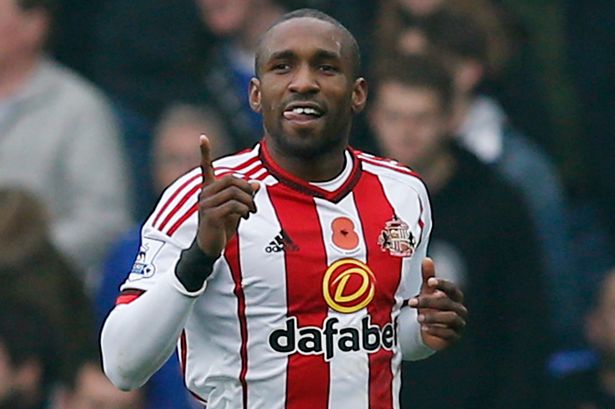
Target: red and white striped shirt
(302, 309)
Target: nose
(304, 81)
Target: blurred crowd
(505, 107)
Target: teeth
(307, 111)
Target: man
(483, 241)
(58, 137)
(309, 301)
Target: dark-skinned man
(293, 274)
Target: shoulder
(391, 171)
(176, 210)
(70, 89)
(238, 164)
(177, 204)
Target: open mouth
(303, 112)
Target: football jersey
(301, 309)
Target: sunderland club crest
(396, 238)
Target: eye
(281, 67)
(328, 68)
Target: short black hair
(318, 15)
(458, 34)
(421, 71)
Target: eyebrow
(321, 54)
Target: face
(409, 123)
(177, 151)
(307, 91)
(11, 19)
(94, 391)
(225, 17)
(22, 33)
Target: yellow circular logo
(348, 285)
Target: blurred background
(505, 107)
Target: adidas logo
(281, 242)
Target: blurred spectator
(92, 390)
(509, 70)
(237, 24)
(176, 148)
(58, 137)
(27, 356)
(593, 386)
(483, 240)
(484, 129)
(34, 272)
(175, 151)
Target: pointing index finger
(206, 167)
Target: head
(307, 84)
(176, 141)
(600, 322)
(225, 17)
(92, 390)
(461, 42)
(27, 356)
(23, 225)
(410, 113)
(24, 28)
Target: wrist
(194, 267)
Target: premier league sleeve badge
(396, 238)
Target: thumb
(428, 270)
(206, 167)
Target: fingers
(448, 335)
(428, 269)
(206, 167)
(228, 182)
(442, 319)
(227, 196)
(231, 193)
(438, 301)
(450, 289)
(428, 273)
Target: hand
(441, 312)
(222, 203)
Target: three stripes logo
(281, 242)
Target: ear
(254, 95)
(359, 95)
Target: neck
(13, 76)
(438, 171)
(317, 168)
(461, 107)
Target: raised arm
(141, 332)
